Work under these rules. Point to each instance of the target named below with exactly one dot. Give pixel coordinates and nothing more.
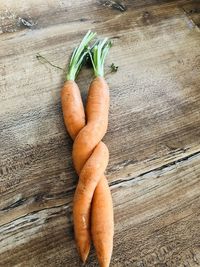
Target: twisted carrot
(90, 157)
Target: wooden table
(153, 135)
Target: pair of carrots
(92, 205)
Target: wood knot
(26, 23)
(146, 14)
(146, 17)
(120, 6)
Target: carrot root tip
(84, 252)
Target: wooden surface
(153, 135)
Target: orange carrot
(74, 119)
(90, 158)
(86, 145)
(102, 221)
(72, 107)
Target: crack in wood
(15, 204)
(65, 206)
(160, 168)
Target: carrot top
(98, 55)
(78, 56)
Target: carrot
(102, 221)
(85, 146)
(72, 107)
(74, 119)
(90, 157)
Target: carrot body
(90, 158)
(72, 107)
(88, 179)
(97, 120)
(102, 223)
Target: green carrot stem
(78, 56)
(98, 55)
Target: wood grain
(153, 135)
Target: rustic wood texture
(153, 135)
